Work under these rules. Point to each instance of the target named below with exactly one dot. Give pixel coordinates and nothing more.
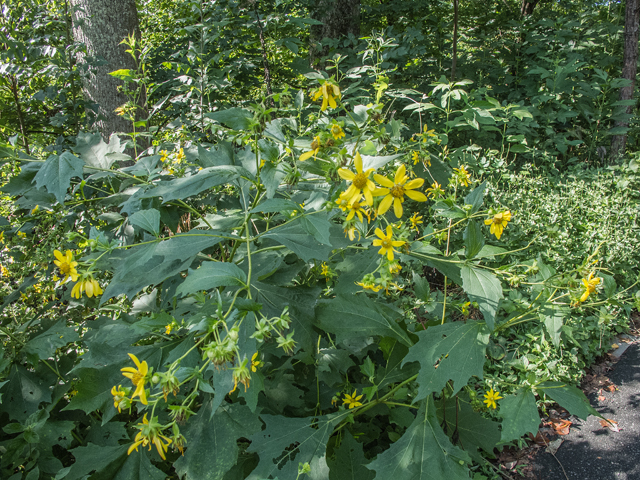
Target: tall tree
(101, 25)
(629, 71)
(527, 7)
(339, 18)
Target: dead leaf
(561, 426)
(610, 424)
(554, 446)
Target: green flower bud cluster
(276, 326)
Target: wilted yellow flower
(352, 400)
(386, 242)
(394, 191)
(360, 182)
(150, 434)
(415, 221)
(119, 394)
(138, 377)
(435, 190)
(498, 222)
(324, 269)
(462, 176)
(1, 237)
(351, 233)
(491, 397)
(87, 284)
(241, 375)
(329, 92)
(315, 148)
(369, 286)
(590, 285)
(66, 264)
(336, 131)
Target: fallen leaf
(612, 388)
(614, 345)
(610, 424)
(561, 426)
(554, 446)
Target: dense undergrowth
(384, 274)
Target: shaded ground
(591, 451)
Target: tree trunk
(629, 71)
(339, 17)
(101, 25)
(527, 7)
(454, 59)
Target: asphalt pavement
(591, 451)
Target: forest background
(332, 239)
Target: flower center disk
(397, 191)
(359, 181)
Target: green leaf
(295, 237)
(212, 275)
(286, 442)
(569, 397)
(473, 239)
(24, 392)
(45, 344)
(271, 176)
(349, 462)
(353, 268)
(520, 415)
(553, 316)
(122, 74)
(153, 263)
(205, 179)
(149, 220)
(421, 287)
(56, 173)
(357, 316)
(609, 285)
(234, 118)
(474, 431)
(318, 226)
(212, 447)
(112, 462)
(476, 197)
(453, 351)
(377, 161)
(424, 452)
(95, 152)
(276, 205)
(483, 287)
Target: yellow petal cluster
(150, 434)
(329, 92)
(315, 148)
(66, 264)
(491, 397)
(361, 184)
(395, 191)
(352, 400)
(498, 222)
(89, 285)
(590, 285)
(386, 242)
(138, 377)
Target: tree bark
(339, 18)
(527, 7)
(454, 59)
(101, 25)
(629, 71)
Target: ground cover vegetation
(383, 264)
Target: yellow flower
(336, 131)
(356, 209)
(351, 400)
(386, 242)
(351, 233)
(150, 434)
(590, 285)
(324, 269)
(394, 267)
(360, 182)
(3, 271)
(35, 209)
(87, 284)
(329, 92)
(168, 329)
(1, 237)
(491, 397)
(66, 264)
(415, 221)
(464, 308)
(163, 155)
(394, 191)
(369, 286)
(22, 235)
(435, 190)
(463, 176)
(118, 395)
(315, 148)
(180, 156)
(255, 362)
(138, 377)
(498, 222)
